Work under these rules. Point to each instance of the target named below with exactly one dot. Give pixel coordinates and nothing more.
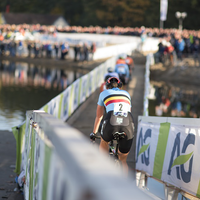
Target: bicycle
(113, 145)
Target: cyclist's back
(118, 118)
(120, 61)
(109, 74)
(123, 72)
(129, 62)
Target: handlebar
(94, 136)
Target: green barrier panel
(160, 151)
(19, 133)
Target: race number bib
(121, 109)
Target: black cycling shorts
(122, 78)
(112, 124)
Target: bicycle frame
(112, 148)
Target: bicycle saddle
(118, 136)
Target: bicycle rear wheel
(117, 164)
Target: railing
(60, 163)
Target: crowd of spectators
(176, 103)
(132, 31)
(45, 49)
(180, 42)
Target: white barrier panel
(105, 52)
(168, 149)
(122, 43)
(101, 38)
(60, 163)
(63, 105)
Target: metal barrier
(60, 163)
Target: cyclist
(123, 72)
(121, 59)
(109, 74)
(130, 63)
(118, 118)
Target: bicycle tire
(117, 164)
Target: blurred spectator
(36, 49)
(43, 49)
(85, 51)
(187, 41)
(196, 53)
(81, 53)
(143, 37)
(1, 44)
(64, 50)
(49, 49)
(13, 48)
(169, 51)
(76, 51)
(20, 48)
(179, 46)
(159, 55)
(93, 49)
(29, 47)
(56, 48)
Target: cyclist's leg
(126, 143)
(103, 145)
(124, 149)
(106, 133)
(123, 157)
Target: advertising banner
(53, 106)
(65, 104)
(163, 9)
(77, 86)
(83, 91)
(170, 153)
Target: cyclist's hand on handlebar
(92, 136)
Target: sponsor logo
(119, 120)
(178, 158)
(84, 89)
(76, 95)
(143, 149)
(52, 108)
(65, 103)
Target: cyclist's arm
(99, 115)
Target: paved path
(85, 117)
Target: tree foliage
(111, 12)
